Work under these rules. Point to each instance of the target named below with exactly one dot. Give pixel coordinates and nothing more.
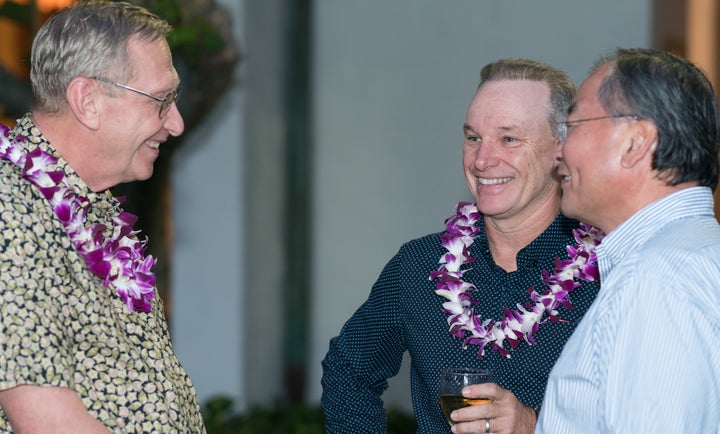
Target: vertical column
(298, 157)
(702, 48)
(702, 35)
(265, 208)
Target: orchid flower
(515, 326)
(119, 261)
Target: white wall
(207, 270)
(392, 81)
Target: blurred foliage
(15, 12)
(205, 52)
(220, 418)
(192, 34)
(202, 41)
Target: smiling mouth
(153, 144)
(493, 181)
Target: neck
(507, 236)
(67, 137)
(636, 198)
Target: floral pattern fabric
(60, 327)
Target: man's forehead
(587, 94)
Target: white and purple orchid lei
(522, 323)
(119, 260)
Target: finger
(478, 427)
(486, 390)
(474, 412)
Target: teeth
(153, 144)
(493, 181)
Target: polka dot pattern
(403, 313)
(60, 327)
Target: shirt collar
(635, 231)
(35, 139)
(556, 236)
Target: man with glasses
(639, 160)
(84, 344)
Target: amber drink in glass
(452, 382)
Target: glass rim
(476, 371)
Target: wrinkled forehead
(152, 61)
(512, 101)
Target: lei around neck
(119, 260)
(520, 324)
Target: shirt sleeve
(362, 357)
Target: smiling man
(640, 161)
(486, 313)
(84, 344)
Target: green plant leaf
(284, 419)
(19, 13)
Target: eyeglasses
(165, 101)
(562, 127)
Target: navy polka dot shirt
(403, 313)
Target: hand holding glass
(452, 382)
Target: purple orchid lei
(119, 260)
(522, 323)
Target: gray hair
(562, 89)
(87, 39)
(678, 98)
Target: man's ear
(84, 99)
(642, 143)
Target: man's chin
(142, 175)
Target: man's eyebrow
(508, 128)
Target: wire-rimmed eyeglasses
(165, 101)
(562, 127)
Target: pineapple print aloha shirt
(60, 327)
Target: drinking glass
(452, 382)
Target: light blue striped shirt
(646, 356)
